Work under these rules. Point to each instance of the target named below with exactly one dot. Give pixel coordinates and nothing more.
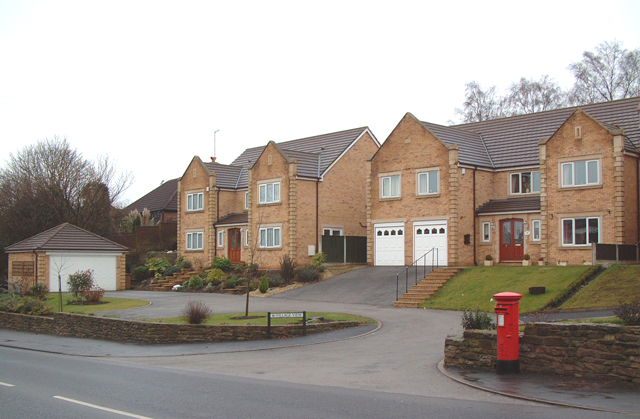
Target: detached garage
(63, 250)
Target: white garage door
(428, 235)
(389, 244)
(102, 265)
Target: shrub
(477, 320)
(39, 291)
(141, 272)
(232, 282)
(215, 276)
(629, 313)
(488, 257)
(195, 282)
(196, 312)
(210, 288)
(309, 273)
(287, 268)
(252, 268)
(263, 287)
(94, 294)
(80, 281)
(224, 264)
(319, 259)
(275, 280)
(171, 270)
(27, 305)
(157, 265)
(527, 256)
(182, 263)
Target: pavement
(403, 354)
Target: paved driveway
(371, 285)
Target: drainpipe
(318, 201)
(638, 196)
(35, 270)
(215, 229)
(475, 217)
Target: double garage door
(390, 244)
(102, 265)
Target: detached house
(276, 199)
(546, 184)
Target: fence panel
(333, 247)
(356, 249)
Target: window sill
(520, 195)
(269, 248)
(270, 204)
(579, 188)
(195, 251)
(392, 198)
(579, 247)
(195, 211)
(433, 195)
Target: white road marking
(106, 409)
(6, 385)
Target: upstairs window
(195, 201)
(269, 193)
(581, 173)
(525, 183)
(391, 186)
(428, 183)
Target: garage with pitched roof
(54, 254)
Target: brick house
(275, 199)
(162, 202)
(546, 184)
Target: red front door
(511, 239)
(235, 243)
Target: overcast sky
(148, 82)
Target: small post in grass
(302, 315)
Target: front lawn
(110, 304)
(261, 320)
(618, 283)
(476, 286)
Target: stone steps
(427, 287)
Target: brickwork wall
(631, 200)
(305, 215)
(120, 330)
(599, 200)
(592, 351)
(25, 282)
(410, 147)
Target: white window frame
(573, 227)
(195, 201)
(195, 237)
(246, 238)
(331, 231)
(486, 227)
(571, 165)
(246, 200)
(390, 193)
(427, 176)
(276, 239)
(519, 183)
(536, 227)
(263, 190)
(221, 238)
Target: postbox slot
(501, 309)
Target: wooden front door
(511, 239)
(235, 243)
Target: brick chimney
(213, 159)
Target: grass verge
(620, 283)
(111, 304)
(476, 286)
(228, 319)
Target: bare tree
(610, 73)
(481, 105)
(529, 96)
(49, 183)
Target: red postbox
(508, 322)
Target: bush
(488, 257)
(27, 305)
(319, 259)
(196, 312)
(171, 270)
(252, 268)
(309, 273)
(195, 282)
(275, 280)
(287, 268)
(182, 263)
(158, 265)
(232, 282)
(477, 320)
(215, 276)
(94, 294)
(263, 286)
(223, 264)
(80, 281)
(39, 291)
(629, 313)
(141, 272)
(210, 288)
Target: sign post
(296, 315)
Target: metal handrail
(434, 263)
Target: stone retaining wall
(596, 351)
(120, 330)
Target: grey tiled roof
(235, 218)
(227, 175)
(66, 237)
(164, 197)
(525, 204)
(513, 141)
(304, 149)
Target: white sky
(148, 82)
